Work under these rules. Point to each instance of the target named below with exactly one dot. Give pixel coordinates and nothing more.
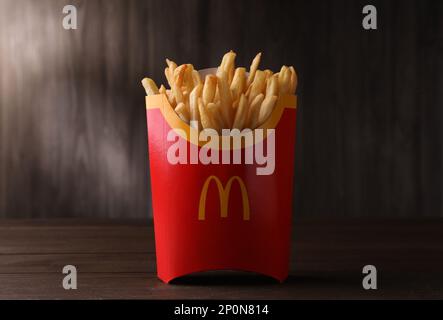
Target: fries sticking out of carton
(232, 207)
(231, 98)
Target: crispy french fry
(193, 103)
(186, 100)
(171, 65)
(282, 77)
(217, 95)
(171, 98)
(241, 113)
(225, 99)
(179, 74)
(182, 112)
(188, 80)
(284, 81)
(248, 92)
(223, 61)
(283, 69)
(272, 86)
(214, 110)
(258, 85)
(227, 56)
(150, 86)
(294, 80)
(205, 116)
(268, 73)
(169, 71)
(169, 77)
(229, 99)
(238, 83)
(209, 89)
(253, 68)
(266, 109)
(228, 64)
(235, 105)
(196, 78)
(254, 111)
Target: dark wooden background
(72, 117)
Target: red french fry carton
(219, 216)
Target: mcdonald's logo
(224, 193)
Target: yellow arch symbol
(224, 197)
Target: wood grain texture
(118, 262)
(72, 119)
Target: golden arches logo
(224, 197)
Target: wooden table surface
(116, 259)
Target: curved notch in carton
(160, 101)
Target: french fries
(266, 108)
(225, 98)
(241, 114)
(150, 86)
(254, 111)
(231, 98)
(258, 85)
(182, 112)
(193, 105)
(238, 83)
(209, 89)
(205, 116)
(253, 68)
